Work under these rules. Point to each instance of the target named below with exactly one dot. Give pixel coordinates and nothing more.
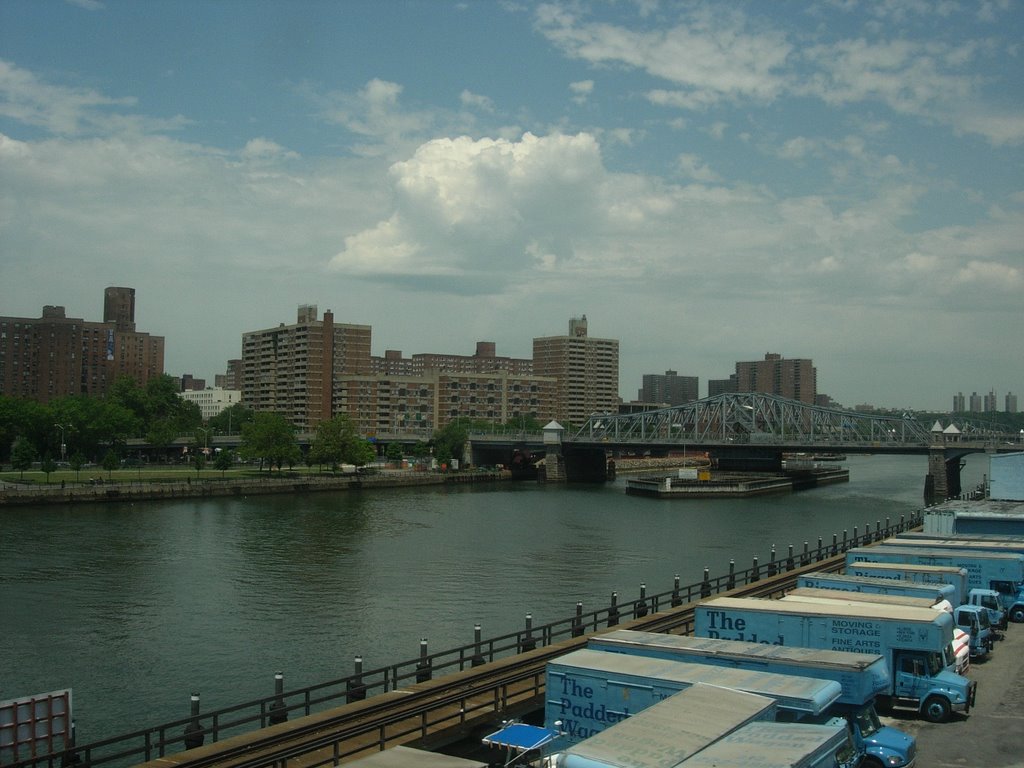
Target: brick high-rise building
(294, 370)
(669, 388)
(586, 371)
(796, 379)
(56, 355)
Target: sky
(707, 182)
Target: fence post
(423, 666)
(529, 643)
(613, 610)
(355, 690)
(640, 606)
(194, 735)
(676, 599)
(705, 585)
(478, 654)
(278, 712)
(731, 582)
(577, 622)
(755, 574)
(772, 569)
(790, 565)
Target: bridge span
(750, 432)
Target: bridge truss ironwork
(754, 418)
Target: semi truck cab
(989, 600)
(922, 681)
(973, 620)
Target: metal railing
(170, 737)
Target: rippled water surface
(135, 606)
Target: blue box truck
(862, 677)
(915, 642)
(1002, 572)
(666, 733)
(587, 691)
(879, 586)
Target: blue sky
(707, 182)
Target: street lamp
(63, 445)
(206, 439)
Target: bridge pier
(943, 479)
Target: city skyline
(706, 182)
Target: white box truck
(777, 745)
(915, 642)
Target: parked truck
(880, 586)
(668, 732)
(972, 619)
(777, 745)
(915, 642)
(1002, 572)
(587, 691)
(862, 677)
(918, 574)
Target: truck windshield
(935, 664)
(983, 621)
(867, 720)
(989, 601)
(949, 656)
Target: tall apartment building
(1011, 403)
(586, 371)
(796, 379)
(484, 360)
(231, 378)
(381, 404)
(56, 355)
(975, 403)
(669, 388)
(295, 370)
(959, 403)
(990, 402)
(722, 386)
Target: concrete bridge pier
(943, 479)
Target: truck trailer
(880, 586)
(1002, 572)
(668, 732)
(971, 619)
(915, 642)
(777, 745)
(587, 691)
(862, 677)
(917, 574)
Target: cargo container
(974, 521)
(1002, 572)
(862, 677)
(971, 619)
(587, 691)
(666, 733)
(915, 642)
(880, 586)
(777, 745)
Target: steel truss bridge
(755, 418)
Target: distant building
(56, 355)
(796, 379)
(722, 386)
(1011, 403)
(295, 369)
(483, 361)
(990, 402)
(669, 388)
(212, 401)
(232, 379)
(585, 369)
(189, 383)
(959, 403)
(381, 404)
(975, 402)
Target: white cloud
(476, 101)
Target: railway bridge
(749, 432)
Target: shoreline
(133, 490)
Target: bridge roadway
(438, 713)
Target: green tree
(336, 442)
(450, 441)
(394, 452)
(224, 461)
(270, 438)
(49, 466)
(22, 455)
(199, 461)
(75, 462)
(230, 420)
(110, 462)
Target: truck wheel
(936, 709)
(1017, 613)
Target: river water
(134, 606)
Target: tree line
(80, 429)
